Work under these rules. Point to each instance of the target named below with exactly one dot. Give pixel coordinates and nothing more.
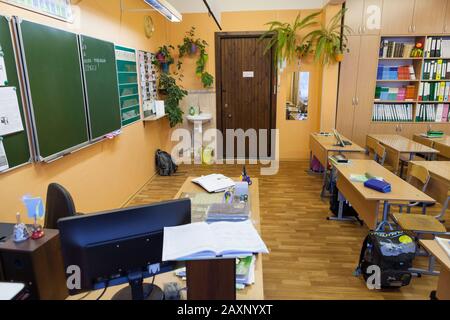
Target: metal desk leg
(386, 209)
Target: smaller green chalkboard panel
(128, 85)
(55, 89)
(102, 92)
(17, 148)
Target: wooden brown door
(246, 96)
(429, 16)
(397, 17)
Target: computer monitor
(121, 246)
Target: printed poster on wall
(147, 76)
(60, 9)
(10, 119)
(3, 74)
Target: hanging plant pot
(339, 57)
(193, 49)
(165, 67)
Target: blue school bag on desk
(378, 185)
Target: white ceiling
(191, 6)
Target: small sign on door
(248, 74)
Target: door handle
(357, 101)
(226, 105)
(359, 30)
(410, 29)
(414, 28)
(229, 116)
(364, 29)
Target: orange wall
(105, 175)
(255, 21)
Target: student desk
(397, 145)
(441, 144)
(367, 202)
(443, 288)
(253, 292)
(323, 146)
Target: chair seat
(419, 222)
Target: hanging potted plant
(192, 46)
(284, 37)
(330, 41)
(163, 58)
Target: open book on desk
(214, 182)
(220, 240)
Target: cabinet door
(429, 16)
(367, 75)
(354, 15)
(447, 19)
(397, 17)
(347, 87)
(372, 17)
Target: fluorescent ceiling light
(166, 9)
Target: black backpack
(348, 210)
(164, 163)
(393, 253)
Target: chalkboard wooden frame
(38, 156)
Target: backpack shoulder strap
(361, 256)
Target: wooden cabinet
(364, 16)
(347, 88)
(357, 87)
(397, 17)
(429, 16)
(447, 19)
(365, 89)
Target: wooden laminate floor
(310, 257)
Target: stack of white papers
(215, 182)
(202, 241)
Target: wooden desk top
(440, 169)
(402, 144)
(435, 249)
(445, 140)
(401, 190)
(253, 292)
(329, 144)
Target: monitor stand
(138, 290)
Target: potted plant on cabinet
(284, 37)
(163, 58)
(330, 41)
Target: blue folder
(378, 185)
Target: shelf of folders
(433, 112)
(128, 85)
(402, 112)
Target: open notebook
(199, 241)
(214, 182)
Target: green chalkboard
(102, 92)
(53, 72)
(16, 145)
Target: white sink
(202, 117)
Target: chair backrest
(59, 205)
(422, 140)
(371, 144)
(421, 174)
(380, 154)
(444, 151)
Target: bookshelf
(413, 86)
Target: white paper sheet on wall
(10, 119)
(3, 159)
(3, 75)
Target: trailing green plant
(174, 94)
(330, 40)
(284, 37)
(192, 46)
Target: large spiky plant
(328, 41)
(284, 37)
